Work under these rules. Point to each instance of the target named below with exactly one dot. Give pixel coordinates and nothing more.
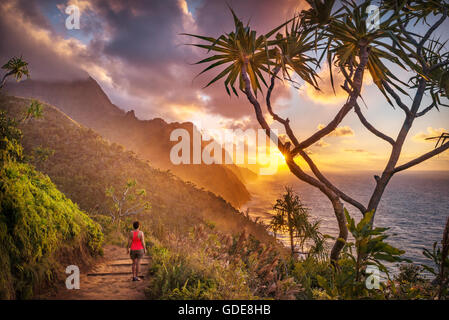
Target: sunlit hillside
(83, 165)
(85, 102)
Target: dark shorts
(136, 254)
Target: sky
(135, 51)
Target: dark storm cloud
(138, 44)
(32, 11)
(143, 31)
(18, 24)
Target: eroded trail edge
(110, 279)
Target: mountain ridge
(85, 102)
(83, 165)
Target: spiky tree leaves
(16, 67)
(440, 139)
(244, 49)
(293, 217)
(242, 46)
(349, 32)
(293, 53)
(320, 12)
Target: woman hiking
(136, 249)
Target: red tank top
(137, 243)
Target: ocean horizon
(414, 206)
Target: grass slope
(41, 231)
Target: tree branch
(284, 122)
(288, 157)
(422, 158)
(414, 43)
(423, 112)
(359, 113)
(296, 170)
(431, 30)
(370, 127)
(324, 180)
(357, 84)
(134, 208)
(258, 110)
(396, 98)
(129, 213)
(302, 153)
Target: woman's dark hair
(136, 224)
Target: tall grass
(40, 230)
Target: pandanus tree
(344, 37)
(288, 210)
(18, 68)
(293, 217)
(15, 67)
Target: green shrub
(175, 278)
(37, 220)
(38, 224)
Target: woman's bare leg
(137, 268)
(134, 268)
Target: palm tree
(344, 38)
(349, 39)
(246, 52)
(289, 216)
(293, 217)
(15, 67)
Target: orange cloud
(344, 131)
(431, 132)
(358, 151)
(326, 94)
(321, 144)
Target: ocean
(415, 205)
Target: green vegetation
(293, 217)
(349, 274)
(350, 277)
(197, 240)
(83, 165)
(130, 201)
(440, 258)
(40, 229)
(207, 264)
(15, 67)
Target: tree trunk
(336, 204)
(297, 171)
(292, 242)
(2, 83)
(343, 229)
(388, 172)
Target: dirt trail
(109, 279)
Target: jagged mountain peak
(87, 103)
